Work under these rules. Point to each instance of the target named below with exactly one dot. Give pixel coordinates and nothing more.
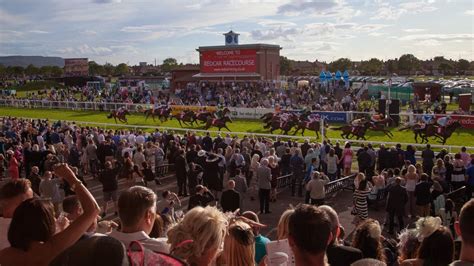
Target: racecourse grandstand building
(239, 62)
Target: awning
(227, 75)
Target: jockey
(219, 113)
(377, 117)
(284, 117)
(426, 119)
(443, 122)
(156, 106)
(121, 110)
(356, 123)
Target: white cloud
(107, 1)
(89, 32)
(469, 12)
(385, 11)
(8, 19)
(429, 42)
(413, 30)
(38, 31)
(439, 37)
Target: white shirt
(140, 139)
(155, 244)
(4, 225)
(131, 139)
(101, 138)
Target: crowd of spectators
(49, 215)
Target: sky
(132, 31)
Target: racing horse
(310, 125)
(347, 130)
(187, 117)
(381, 124)
(162, 113)
(218, 122)
(120, 115)
(203, 116)
(285, 127)
(431, 130)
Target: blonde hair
(411, 169)
(205, 227)
(282, 228)
(239, 245)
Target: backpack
(141, 256)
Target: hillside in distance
(38, 61)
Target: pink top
(347, 155)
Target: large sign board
(229, 61)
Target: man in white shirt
(12, 194)
(137, 212)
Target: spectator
(197, 238)
(470, 180)
(72, 207)
(137, 209)
(465, 156)
(180, 166)
(316, 188)
(364, 161)
(240, 186)
(12, 194)
(465, 230)
(332, 161)
(32, 233)
(408, 245)
(423, 196)
(360, 200)
(437, 245)
(282, 228)
(35, 179)
(239, 247)
(396, 201)
(230, 199)
(260, 241)
(108, 178)
(367, 238)
(337, 253)
(411, 178)
(439, 172)
(12, 165)
(297, 167)
(347, 155)
(264, 178)
(428, 159)
(410, 154)
(202, 197)
(309, 235)
(194, 177)
(49, 189)
(458, 174)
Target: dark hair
(14, 188)
(33, 220)
(457, 156)
(363, 184)
(158, 227)
(371, 247)
(424, 177)
(310, 228)
(133, 203)
(438, 248)
(70, 203)
(466, 220)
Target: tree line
(406, 64)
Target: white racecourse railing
(450, 148)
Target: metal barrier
(164, 169)
(458, 196)
(345, 183)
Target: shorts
(110, 195)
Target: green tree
(46, 71)
(96, 69)
(286, 66)
(445, 68)
(371, 67)
(462, 65)
(15, 71)
(122, 69)
(31, 70)
(392, 66)
(169, 64)
(56, 71)
(340, 64)
(109, 69)
(3, 71)
(408, 63)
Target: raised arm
(78, 227)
